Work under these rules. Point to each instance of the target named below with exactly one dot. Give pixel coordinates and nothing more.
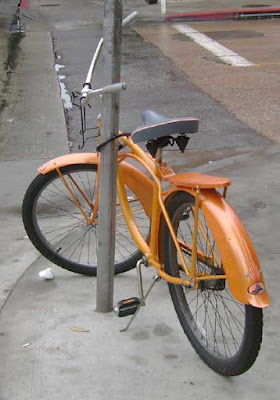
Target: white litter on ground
(66, 98)
(46, 274)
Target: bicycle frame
(240, 262)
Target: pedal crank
(127, 307)
(135, 309)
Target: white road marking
(225, 54)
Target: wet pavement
(168, 91)
(255, 87)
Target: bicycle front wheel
(225, 333)
(57, 228)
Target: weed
(10, 64)
(13, 50)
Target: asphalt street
(256, 87)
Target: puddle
(181, 37)
(235, 34)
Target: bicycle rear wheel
(57, 228)
(225, 333)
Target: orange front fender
(69, 159)
(239, 259)
(136, 180)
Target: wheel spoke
(61, 232)
(213, 320)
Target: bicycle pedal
(127, 307)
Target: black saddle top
(157, 126)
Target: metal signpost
(163, 6)
(112, 33)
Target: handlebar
(129, 18)
(115, 88)
(125, 22)
(87, 93)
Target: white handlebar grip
(129, 18)
(115, 88)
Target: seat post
(159, 156)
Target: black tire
(225, 333)
(58, 230)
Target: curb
(23, 4)
(263, 12)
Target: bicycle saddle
(157, 126)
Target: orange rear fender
(239, 259)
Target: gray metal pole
(112, 33)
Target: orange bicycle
(181, 224)
(187, 231)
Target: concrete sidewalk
(42, 357)
(32, 129)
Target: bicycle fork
(89, 219)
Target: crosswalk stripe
(225, 54)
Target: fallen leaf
(78, 329)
